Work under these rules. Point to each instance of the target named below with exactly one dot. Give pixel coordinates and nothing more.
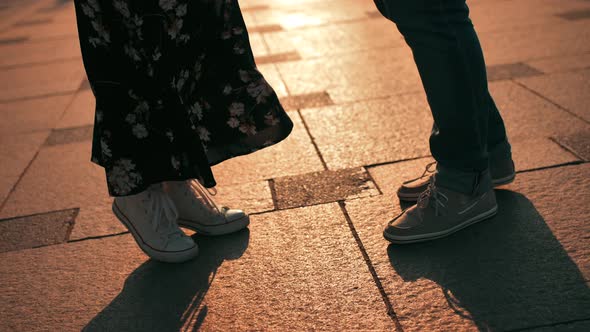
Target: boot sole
(159, 255)
(437, 235)
(495, 182)
(215, 230)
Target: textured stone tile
(525, 267)
(285, 273)
(296, 155)
(37, 230)
(32, 22)
(578, 143)
(254, 197)
(355, 76)
(536, 42)
(280, 57)
(63, 177)
(16, 152)
(323, 187)
(95, 221)
(338, 39)
(34, 81)
(510, 70)
(371, 132)
(569, 90)
(518, 15)
(528, 116)
(272, 76)
(306, 101)
(576, 15)
(259, 48)
(265, 28)
(80, 112)
(31, 115)
(39, 52)
(255, 8)
(70, 135)
(14, 40)
(561, 64)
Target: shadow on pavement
(167, 297)
(506, 273)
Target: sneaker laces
(163, 213)
(428, 170)
(196, 189)
(434, 196)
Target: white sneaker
(151, 217)
(198, 211)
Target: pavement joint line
(566, 148)
(373, 180)
(38, 63)
(20, 177)
(317, 150)
(385, 163)
(98, 237)
(549, 325)
(390, 311)
(570, 163)
(47, 95)
(550, 101)
(273, 193)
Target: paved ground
(314, 257)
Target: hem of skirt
(237, 150)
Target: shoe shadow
(168, 297)
(506, 273)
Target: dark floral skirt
(176, 88)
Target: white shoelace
(195, 188)
(163, 213)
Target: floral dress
(176, 88)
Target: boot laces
(432, 197)
(428, 170)
(162, 213)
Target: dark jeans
(467, 124)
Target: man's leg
(451, 64)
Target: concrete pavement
(314, 257)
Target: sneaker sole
(163, 256)
(216, 230)
(437, 235)
(495, 182)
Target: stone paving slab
(36, 230)
(295, 155)
(528, 116)
(569, 90)
(526, 267)
(536, 42)
(561, 64)
(60, 177)
(371, 132)
(577, 143)
(16, 153)
(31, 115)
(41, 80)
(323, 187)
(298, 269)
(354, 76)
(80, 112)
(27, 53)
